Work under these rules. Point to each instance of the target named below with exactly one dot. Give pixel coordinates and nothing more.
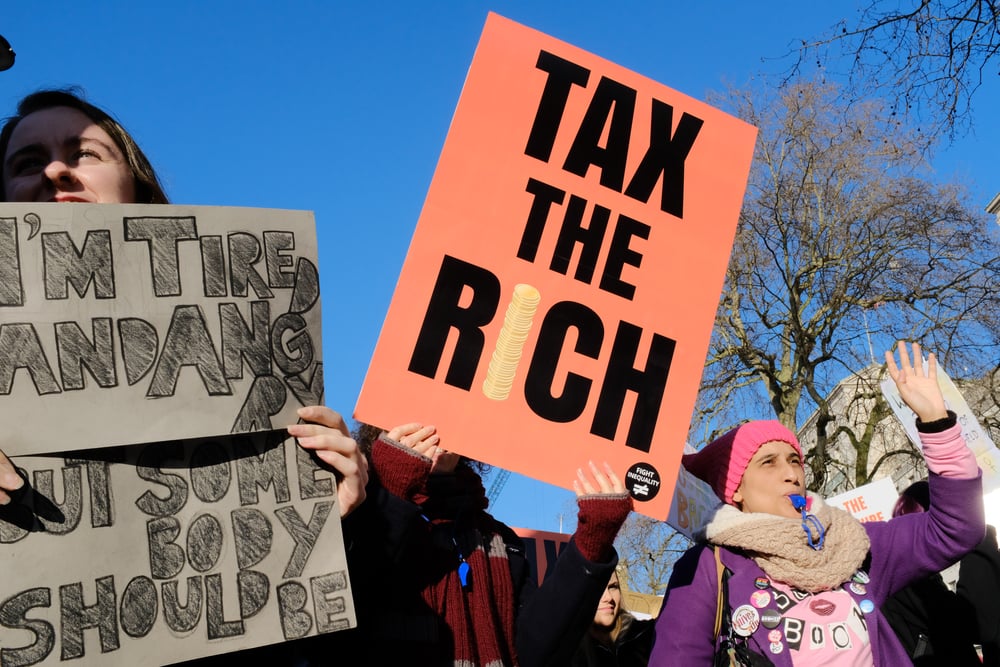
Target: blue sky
(342, 108)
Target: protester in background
(448, 584)
(616, 638)
(935, 626)
(805, 580)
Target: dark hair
(147, 186)
(915, 498)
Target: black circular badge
(642, 481)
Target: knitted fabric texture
(597, 524)
(480, 615)
(778, 544)
(722, 462)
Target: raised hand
(326, 434)
(604, 483)
(918, 385)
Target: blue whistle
(810, 523)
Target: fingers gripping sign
(325, 433)
(10, 481)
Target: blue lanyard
(809, 522)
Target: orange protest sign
(556, 302)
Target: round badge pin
(760, 599)
(857, 588)
(746, 620)
(770, 618)
(867, 606)
(861, 577)
(774, 636)
(762, 582)
(777, 647)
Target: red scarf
(480, 615)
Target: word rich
(259, 339)
(231, 535)
(450, 309)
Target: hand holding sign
(425, 441)
(9, 479)
(326, 434)
(918, 387)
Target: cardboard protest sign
(694, 503)
(153, 554)
(976, 437)
(124, 324)
(871, 502)
(557, 299)
(542, 548)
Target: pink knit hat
(722, 462)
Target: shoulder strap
(719, 568)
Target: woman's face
(610, 604)
(59, 154)
(774, 472)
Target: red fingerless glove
(598, 520)
(402, 471)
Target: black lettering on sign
(296, 621)
(204, 542)
(254, 589)
(244, 253)
(76, 352)
(328, 592)
(276, 260)
(139, 343)
(252, 536)
(260, 471)
(162, 235)
(305, 535)
(215, 614)
(446, 312)
(213, 266)
(291, 344)
(188, 343)
(541, 377)
(609, 118)
(139, 607)
(241, 341)
(76, 616)
(648, 384)
(11, 286)
(63, 264)
(70, 510)
(14, 615)
(182, 618)
(590, 238)
(20, 347)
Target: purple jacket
(903, 550)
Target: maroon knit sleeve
(402, 471)
(598, 520)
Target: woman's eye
(27, 165)
(87, 153)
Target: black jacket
(631, 648)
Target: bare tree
(647, 550)
(844, 245)
(932, 56)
